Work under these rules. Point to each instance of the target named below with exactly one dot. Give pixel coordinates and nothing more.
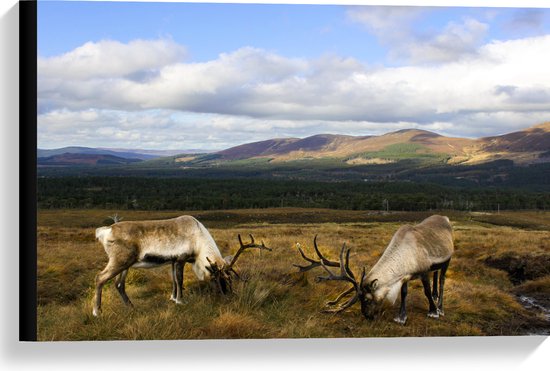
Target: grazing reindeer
(152, 243)
(413, 252)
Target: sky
(212, 76)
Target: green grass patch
(406, 151)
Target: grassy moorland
(498, 258)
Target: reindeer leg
(402, 316)
(435, 294)
(178, 272)
(432, 312)
(441, 286)
(110, 271)
(174, 283)
(120, 284)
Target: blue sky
(208, 29)
(180, 75)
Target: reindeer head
(361, 292)
(220, 276)
(223, 275)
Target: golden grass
(368, 161)
(276, 301)
(185, 159)
(538, 286)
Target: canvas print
(246, 171)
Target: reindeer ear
(373, 284)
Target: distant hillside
(536, 138)
(93, 151)
(345, 146)
(156, 152)
(141, 154)
(531, 145)
(321, 144)
(519, 159)
(256, 149)
(83, 159)
(526, 146)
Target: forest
(153, 193)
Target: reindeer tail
(102, 234)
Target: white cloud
(395, 27)
(109, 58)
(483, 124)
(458, 40)
(384, 19)
(109, 128)
(253, 94)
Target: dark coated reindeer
(413, 252)
(152, 243)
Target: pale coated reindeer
(152, 243)
(413, 252)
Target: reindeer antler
(250, 245)
(222, 274)
(115, 218)
(315, 263)
(346, 275)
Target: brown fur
(151, 243)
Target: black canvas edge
(27, 170)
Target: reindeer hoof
(96, 312)
(433, 314)
(180, 301)
(441, 312)
(400, 320)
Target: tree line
(145, 193)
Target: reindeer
(413, 252)
(152, 243)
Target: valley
(517, 160)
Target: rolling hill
(519, 159)
(129, 154)
(84, 159)
(141, 154)
(531, 145)
(528, 146)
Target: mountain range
(80, 159)
(528, 146)
(87, 156)
(141, 154)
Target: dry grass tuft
(234, 325)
